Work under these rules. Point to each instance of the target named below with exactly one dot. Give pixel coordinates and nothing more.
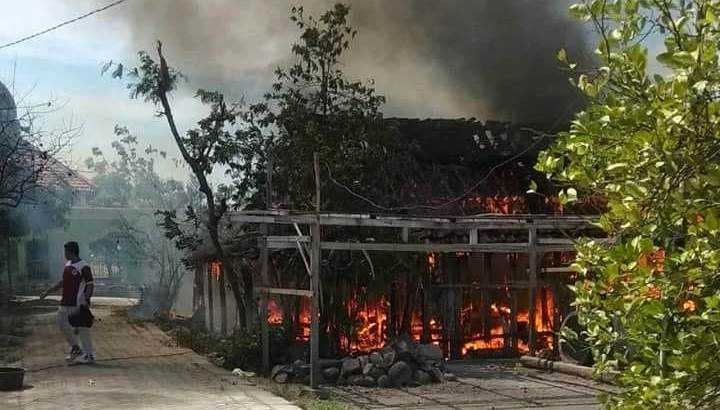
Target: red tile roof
(58, 173)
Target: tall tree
(313, 107)
(648, 143)
(203, 148)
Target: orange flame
(371, 321)
(275, 314)
(216, 269)
(432, 261)
(371, 332)
(501, 318)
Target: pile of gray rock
(398, 364)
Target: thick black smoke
(497, 55)
(482, 58)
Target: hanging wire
(444, 205)
(542, 136)
(64, 23)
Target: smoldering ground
(449, 58)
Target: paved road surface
(138, 368)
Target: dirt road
(138, 367)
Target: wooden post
(508, 345)
(513, 320)
(532, 261)
(315, 284)
(425, 312)
(395, 321)
(556, 317)
(485, 293)
(452, 311)
(264, 261)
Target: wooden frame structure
(535, 247)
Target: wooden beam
(290, 242)
(558, 269)
(465, 223)
(510, 285)
(473, 236)
(288, 292)
(303, 250)
(409, 247)
(293, 239)
(566, 241)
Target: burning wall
(492, 316)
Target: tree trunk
(198, 294)
(251, 320)
(223, 305)
(199, 170)
(7, 265)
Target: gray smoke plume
(444, 58)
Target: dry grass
(123, 312)
(303, 396)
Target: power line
(450, 202)
(64, 23)
(467, 192)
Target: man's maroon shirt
(76, 276)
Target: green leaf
(615, 166)
(710, 16)
(562, 55)
(580, 12)
(533, 188)
(700, 86)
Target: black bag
(82, 318)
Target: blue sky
(64, 66)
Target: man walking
(77, 288)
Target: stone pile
(398, 364)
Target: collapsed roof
(469, 142)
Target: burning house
(488, 281)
